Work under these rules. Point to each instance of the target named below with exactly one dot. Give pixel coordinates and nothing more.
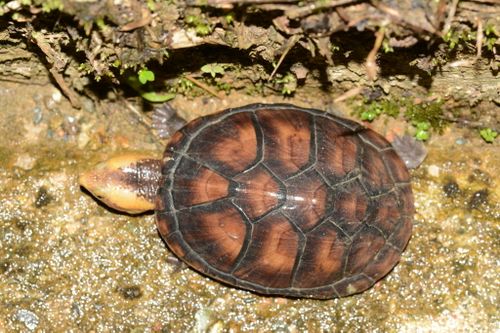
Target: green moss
(288, 84)
(455, 37)
(425, 117)
(491, 36)
(199, 23)
(213, 69)
(488, 134)
(427, 112)
(50, 5)
(368, 111)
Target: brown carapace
(285, 201)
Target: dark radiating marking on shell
(392, 160)
(386, 213)
(375, 140)
(405, 197)
(365, 246)
(292, 249)
(402, 232)
(382, 263)
(376, 179)
(338, 154)
(350, 206)
(287, 138)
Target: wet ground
(68, 263)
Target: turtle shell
(283, 200)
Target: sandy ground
(70, 264)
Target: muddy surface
(69, 263)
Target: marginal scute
(353, 285)
(272, 252)
(365, 246)
(402, 232)
(215, 232)
(324, 257)
(385, 260)
(395, 167)
(371, 138)
(374, 175)
(285, 201)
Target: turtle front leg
(166, 121)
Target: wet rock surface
(69, 263)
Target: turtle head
(128, 183)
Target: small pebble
(57, 96)
(28, 318)
(203, 318)
(25, 162)
(433, 170)
(37, 115)
(13, 5)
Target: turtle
(272, 198)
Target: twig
(203, 86)
(226, 2)
(469, 123)
(441, 10)
(72, 96)
(348, 94)
(451, 16)
(290, 43)
(140, 116)
(403, 18)
(145, 19)
(479, 38)
(371, 64)
(308, 9)
(57, 64)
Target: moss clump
(425, 116)
(368, 111)
(426, 112)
